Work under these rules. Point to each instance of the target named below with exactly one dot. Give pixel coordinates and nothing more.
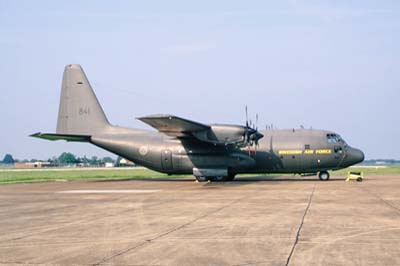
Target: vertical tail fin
(80, 112)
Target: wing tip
(35, 135)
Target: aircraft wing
(174, 126)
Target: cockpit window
(334, 138)
(338, 149)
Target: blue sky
(326, 64)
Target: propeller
(256, 136)
(251, 134)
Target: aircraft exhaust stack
(80, 112)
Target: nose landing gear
(323, 176)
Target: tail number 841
(84, 111)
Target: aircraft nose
(355, 156)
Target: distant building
(109, 165)
(31, 165)
(125, 162)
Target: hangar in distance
(214, 152)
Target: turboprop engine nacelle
(228, 134)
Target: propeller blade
(256, 121)
(247, 117)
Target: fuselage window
(307, 146)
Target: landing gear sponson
(222, 175)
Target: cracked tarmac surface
(250, 221)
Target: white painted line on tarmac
(110, 191)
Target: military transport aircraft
(215, 152)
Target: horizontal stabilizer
(173, 125)
(66, 137)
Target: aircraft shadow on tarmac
(242, 179)
(281, 179)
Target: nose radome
(358, 156)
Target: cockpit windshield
(334, 138)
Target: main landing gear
(230, 177)
(323, 176)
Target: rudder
(80, 112)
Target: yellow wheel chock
(355, 176)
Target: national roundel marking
(143, 150)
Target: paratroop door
(166, 160)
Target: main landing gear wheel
(218, 178)
(230, 177)
(323, 175)
(215, 178)
(202, 178)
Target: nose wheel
(323, 176)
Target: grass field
(370, 170)
(44, 175)
(8, 176)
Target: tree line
(64, 158)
